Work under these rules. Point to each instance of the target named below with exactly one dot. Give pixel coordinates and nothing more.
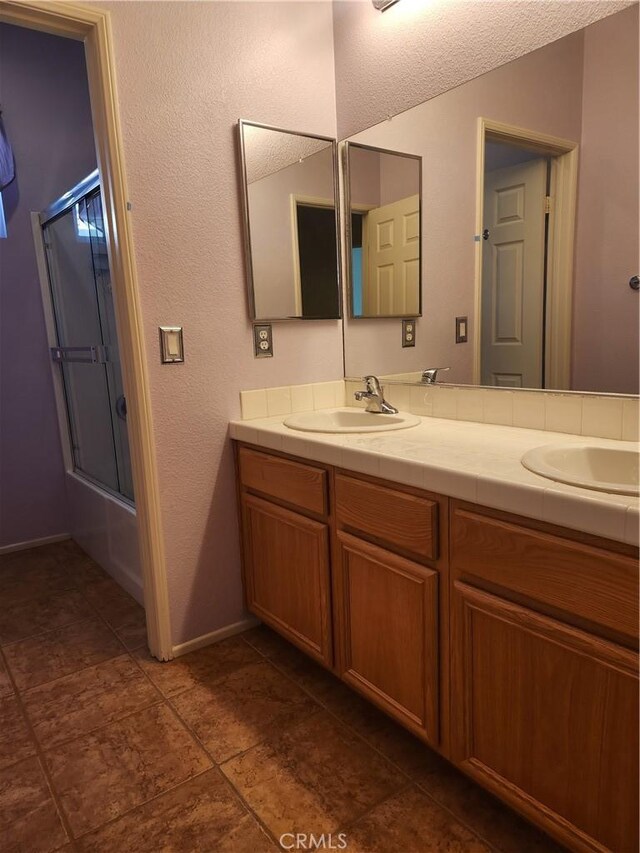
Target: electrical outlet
(461, 330)
(262, 341)
(408, 333)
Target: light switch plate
(171, 344)
(262, 340)
(408, 333)
(462, 324)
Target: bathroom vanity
(503, 641)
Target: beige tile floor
(102, 748)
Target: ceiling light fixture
(382, 5)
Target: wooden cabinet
(546, 717)
(507, 644)
(386, 611)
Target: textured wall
(388, 62)
(45, 105)
(605, 354)
(186, 72)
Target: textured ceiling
(389, 62)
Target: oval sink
(349, 420)
(605, 469)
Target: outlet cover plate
(262, 340)
(408, 333)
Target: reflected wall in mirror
(383, 192)
(550, 179)
(291, 223)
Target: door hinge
(547, 204)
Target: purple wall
(45, 108)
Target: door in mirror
(384, 191)
(291, 223)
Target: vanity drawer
(589, 582)
(303, 486)
(404, 522)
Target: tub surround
(460, 459)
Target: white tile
(278, 401)
(324, 395)
(399, 396)
(253, 404)
(241, 432)
(361, 461)
(520, 498)
(576, 508)
(339, 391)
(632, 526)
(270, 438)
(498, 407)
(420, 400)
(454, 484)
(602, 417)
(563, 413)
(630, 420)
(470, 404)
(445, 403)
(402, 471)
(528, 410)
(301, 398)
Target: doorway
(91, 27)
(525, 219)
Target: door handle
(121, 407)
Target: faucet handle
(372, 384)
(430, 375)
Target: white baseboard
(214, 636)
(34, 543)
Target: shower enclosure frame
(93, 28)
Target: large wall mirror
(529, 222)
(383, 191)
(291, 223)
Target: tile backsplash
(576, 414)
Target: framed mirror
(383, 198)
(290, 187)
(529, 223)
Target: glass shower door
(87, 345)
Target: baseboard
(214, 636)
(34, 543)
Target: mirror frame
(242, 123)
(346, 148)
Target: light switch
(461, 330)
(171, 345)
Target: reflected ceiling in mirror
(383, 199)
(529, 222)
(291, 224)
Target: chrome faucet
(376, 404)
(430, 375)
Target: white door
(391, 237)
(513, 276)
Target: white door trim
(564, 189)
(93, 27)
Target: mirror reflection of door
(514, 261)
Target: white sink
(349, 420)
(605, 469)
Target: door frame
(560, 250)
(93, 28)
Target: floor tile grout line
(361, 737)
(216, 765)
(41, 761)
(44, 633)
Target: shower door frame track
(93, 28)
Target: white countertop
(466, 460)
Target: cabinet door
(287, 574)
(387, 616)
(546, 716)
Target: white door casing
(512, 319)
(391, 246)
